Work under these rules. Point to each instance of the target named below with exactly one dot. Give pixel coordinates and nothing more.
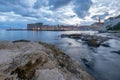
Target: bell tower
(99, 20)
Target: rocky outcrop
(91, 40)
(25, 60)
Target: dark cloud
(11, 3)
(82, 7)
(72, 16)
(12, 6)
(46, 10)
(58, 3)
(102, 16)
(40, 3)
(53, 4)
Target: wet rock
(106, 45)
(64, 35)
(74, 36)
(96, 41)
(118, 52)
(88, 61)
(21, 41)
(93, 42)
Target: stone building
(36, 26)
(97, 25)
(40, 26)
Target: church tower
(99, 20)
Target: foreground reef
(25, 60)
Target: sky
(19, 13)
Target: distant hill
(113, 23)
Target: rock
(64, 35)
(118, 52)
(96, 41)
(21, 41)
(38, 61)
(9, 78)
(75, 36)
(106, 45)
(89, 62)
(93, 42)
(6, 44)
(49, 74)
(27, 71)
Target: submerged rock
(64, 35)
(38, 61)
(74, 36)
(105, 45)
(89, 62)
(21, 41)
(118, 52)
(93, 42)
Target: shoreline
(35, 30)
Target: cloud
(12, 17)
(47, 11)
(58, 3)
(105, 8)
(57, 11)
(81, 7)
(101, 16)
(40, 3)
(12, 6)
(29, 7)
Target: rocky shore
(25, 60)
(90, 40)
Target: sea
(105, 63)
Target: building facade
(40, 26)
(36, 26)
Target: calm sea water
(46, 36)
(105, 64)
